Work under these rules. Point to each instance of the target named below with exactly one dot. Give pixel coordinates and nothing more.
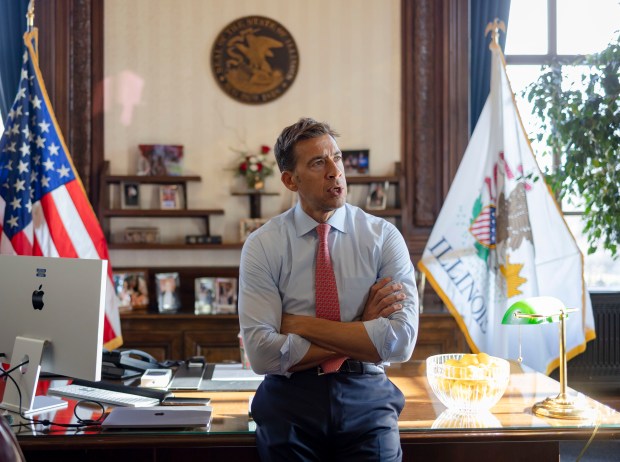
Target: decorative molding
(66, 60)
(435, 69)
(80, 90)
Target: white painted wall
(159, 88)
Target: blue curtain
(481, 13)
(12, 28)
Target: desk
(510, 433)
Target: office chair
(9, 448)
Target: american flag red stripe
(21, 244)
(58, 233)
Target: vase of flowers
(255, 168)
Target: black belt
(349, 366)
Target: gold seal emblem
(254, 59)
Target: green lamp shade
(534, 310)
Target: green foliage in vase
(582, 128)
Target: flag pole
(30, 16)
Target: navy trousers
(333, 417)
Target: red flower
(264, 149)
(259, 166)
(243, 167)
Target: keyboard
(96, 392)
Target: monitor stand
(27, 377)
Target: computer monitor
(51, 314)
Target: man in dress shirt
(301, 412)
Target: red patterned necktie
(326, 292)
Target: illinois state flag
(501, 237)
(43, 205)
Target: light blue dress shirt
(277, 276)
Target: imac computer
(51, 315)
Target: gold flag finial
(494, 27)
(30, 15)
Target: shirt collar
(304, 223)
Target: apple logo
(37, 298)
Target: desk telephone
(124, 364)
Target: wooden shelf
(255, 200)
(372, 179)
(385, 212)
(254, 193)
(172, 246)
(106, 213)
(114, 179)
(176, 213)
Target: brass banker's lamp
(539, 310)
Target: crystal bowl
(467, 382)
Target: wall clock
(254, 59)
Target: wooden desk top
(423, 417)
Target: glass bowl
(467, 382)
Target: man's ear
(288, 179)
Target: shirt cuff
(292, 351)
(382, 336)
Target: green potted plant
(581, 128)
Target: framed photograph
(204, 295)
(160, 159)
(377, 196)
(168, 297)
(130, 195)
(132, 289)
(170, 197)
(225, 296)
(356, 162)
(142, 235)
(247, 225)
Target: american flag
(43, 204)
(483, 227)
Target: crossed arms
(333, 338)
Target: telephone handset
(127, 363)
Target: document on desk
(234, 372)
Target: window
(561, 32)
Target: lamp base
(562, 407)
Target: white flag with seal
(501, 237)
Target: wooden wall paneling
(97, 80)
(71, 70)
(216, 347)
(162, 344)
(439, 334)
(52, 18)
(435, 99)
(435, 132)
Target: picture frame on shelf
(377, 195)
(204, 290)
(131, 288)
(170, 197)
(167, 286)
(248, 225)
(356, 162)
(145, 235)
(225, 296)
(130, 195)
(160, 159)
